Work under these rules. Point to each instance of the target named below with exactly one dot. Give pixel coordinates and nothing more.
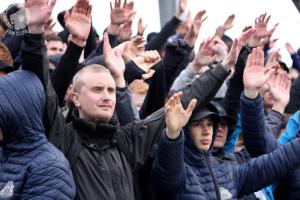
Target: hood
(202, 112)
(22, 101)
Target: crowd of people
(124, 116)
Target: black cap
(223, 114)
(202, 112)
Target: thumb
(66, 16)
(269, 72)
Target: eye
(111, 90)
(97, 89)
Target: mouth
(105, 106)
(205, 142)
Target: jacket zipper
(214, 178)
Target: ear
(75, 99)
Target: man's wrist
(120, 81)
(113, 29)
(78, 41)
(36, 29)
(278, 107)
(172, 134)
(251, 93)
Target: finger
(131, 15)
(66, 16)
(191, 106)
(111, 7)
(268, 18)
(125, 4)
(89, 12)
(289, 83)
(76, 8)
(250, 60)
(51, 5)
(148, 75)
(177, 99)
(130, 5)
(106, 45)
(269, 73)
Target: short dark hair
(53, 38)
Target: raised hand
(176, 115)
(114, 62)
(193, 31)
(49, 27)
(261, 32)
(289, 48)
(228, 24)
(182, 4)
(273, 59)
(39, 14)
(78, 22)
(205, 55)
(132, 48)
(147, 60)
(236, 47)
(255, 74)
(125, 32)
(220, 48)
(280, 92)
(121, 14)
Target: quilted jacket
(30, 167)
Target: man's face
(221, 134)
(202, 132)
(97, 98)
(55, 47)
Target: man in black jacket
(102, 154)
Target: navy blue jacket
(30, 167)
(252, 113)
(181, 171)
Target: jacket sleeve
(205, 86)
(185, 78)
(66, 69)
(35, 59)
(231, 101)
(296, 61)
(257, 138)
(273, 121)
(264, 170)
(49, 181)
(294, 103)
(140, 136)
(158, 41)
(168, 172)
(126, 112)
(166, 71)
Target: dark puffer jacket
(30, 167)
(182, 171)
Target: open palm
(79, 21)
(39, 11)
(255, 74)
(176, 115)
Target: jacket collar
(97, 135)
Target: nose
(105, 95)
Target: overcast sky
(282, 11)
